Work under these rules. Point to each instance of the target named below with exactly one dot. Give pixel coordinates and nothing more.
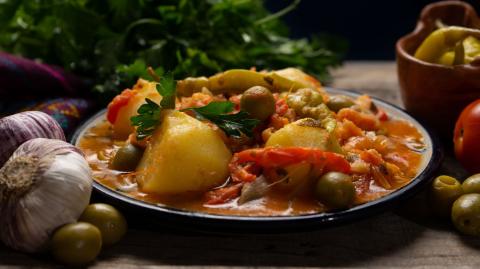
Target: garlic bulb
(21, 127)
(46, 183)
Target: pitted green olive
(444, 191)
(258, 101)
(337, 102)
(108, 220)
(127, 158)
(335, 190)
(76, 243)
(466, 214)
(471, 184)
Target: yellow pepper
(450, 46)
(236, 81)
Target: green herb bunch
(113, 41)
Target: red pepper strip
(281, 107)
(243, 173)
(223, 195)
(281, 157)
(382, 115)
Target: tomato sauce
(405, 151)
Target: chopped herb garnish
(149, 113)
(166, 88)
(214, 108)
(232, 124)
(147, 119)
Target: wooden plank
(405, 238)
(387, 240)
(377, 79)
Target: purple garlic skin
(21, 127)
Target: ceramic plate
(210, 222)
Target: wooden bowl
(436, 93)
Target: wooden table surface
(407, 237)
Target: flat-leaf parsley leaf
(232, 124)
(149, 113)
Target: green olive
(335, 190)
(127, 158)
(76, 243)
(108, 220)
(337, 102)
(258, 101)
(444, 191)
(471, 184)
(466, 214)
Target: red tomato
(467, 137)
(118, 102)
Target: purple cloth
(29, 85)
(20, 77)
(69, 112)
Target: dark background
(370, 27)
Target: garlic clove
(45, 184)
(21, 127)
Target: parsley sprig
(219, 114)
(149, 113)
(147, 119)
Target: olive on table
(335, 190)
(471, 184)
(127, 158)
(108, 220)
(337, 102)
(466, 214)
(444, 191)
(76, 243)
(258, 101)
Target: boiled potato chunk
(122, 127)
(183, 155)
(302, 133)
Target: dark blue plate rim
(206, 221)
